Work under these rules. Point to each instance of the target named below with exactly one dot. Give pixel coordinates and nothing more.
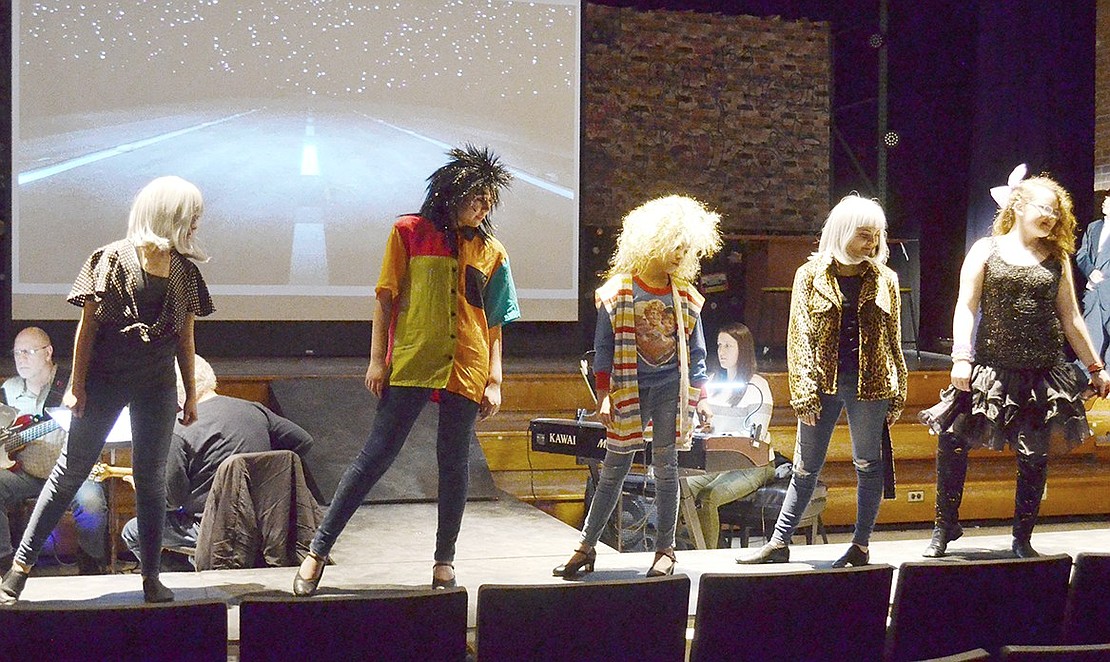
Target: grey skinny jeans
(660, 406)
(866, 419)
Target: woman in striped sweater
(650, 361)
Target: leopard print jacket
(812, 338)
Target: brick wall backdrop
(1102, 96)
(733, 110)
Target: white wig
(163, 214)
(849, 215)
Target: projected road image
(307, 126)
(302, 199)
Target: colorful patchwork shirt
(444, 306)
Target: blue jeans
(660, 406)
(153, 407)
(181, 530)
(89, 511)
(866, 419)
(397, 411)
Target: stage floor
(507, 542)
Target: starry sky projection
(516, 53)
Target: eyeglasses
(1046, 211)
(28, 352)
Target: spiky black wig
(470, 169)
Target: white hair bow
(1001, 194)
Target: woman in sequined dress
(1015, 387)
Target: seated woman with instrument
(742, 405)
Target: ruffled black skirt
(1020, 409)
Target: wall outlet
(915, 496)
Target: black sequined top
(1019, 328)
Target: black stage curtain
(1035, 102)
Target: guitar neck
(16, 439)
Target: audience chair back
(1087, 618)
(833, 614)
(639, 619)
(184, 631)
(1079, 653)
(419, 626)
(942, 608)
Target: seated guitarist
(41, 384)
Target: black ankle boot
(12, 586)
(155, 591)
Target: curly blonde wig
(1060, 243)
(656, 227)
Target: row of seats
(953, 611)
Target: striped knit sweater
(626, 434)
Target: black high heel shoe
(579, 564)
(854, 557)
(444, 583)
(304, 588)
(654, 570)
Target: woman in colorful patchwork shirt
(444, 292)
(650, 361)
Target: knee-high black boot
(951, 473)
(1031, 477)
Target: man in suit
(1093, 259)
(41, 384)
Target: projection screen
(308, 126)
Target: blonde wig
(657, 227)
(1060, 243)
(849, 215)
(163, 214)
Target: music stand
(119, 437)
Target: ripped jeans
(866, 419)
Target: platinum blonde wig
(163, 214)
(849, 215)
(656, 227)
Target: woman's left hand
(1100, 383)
(188, 412)
(705, 414)
(491, 401)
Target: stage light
(876, 40)
(891, 138)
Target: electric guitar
(102, 471)
(21, 432)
